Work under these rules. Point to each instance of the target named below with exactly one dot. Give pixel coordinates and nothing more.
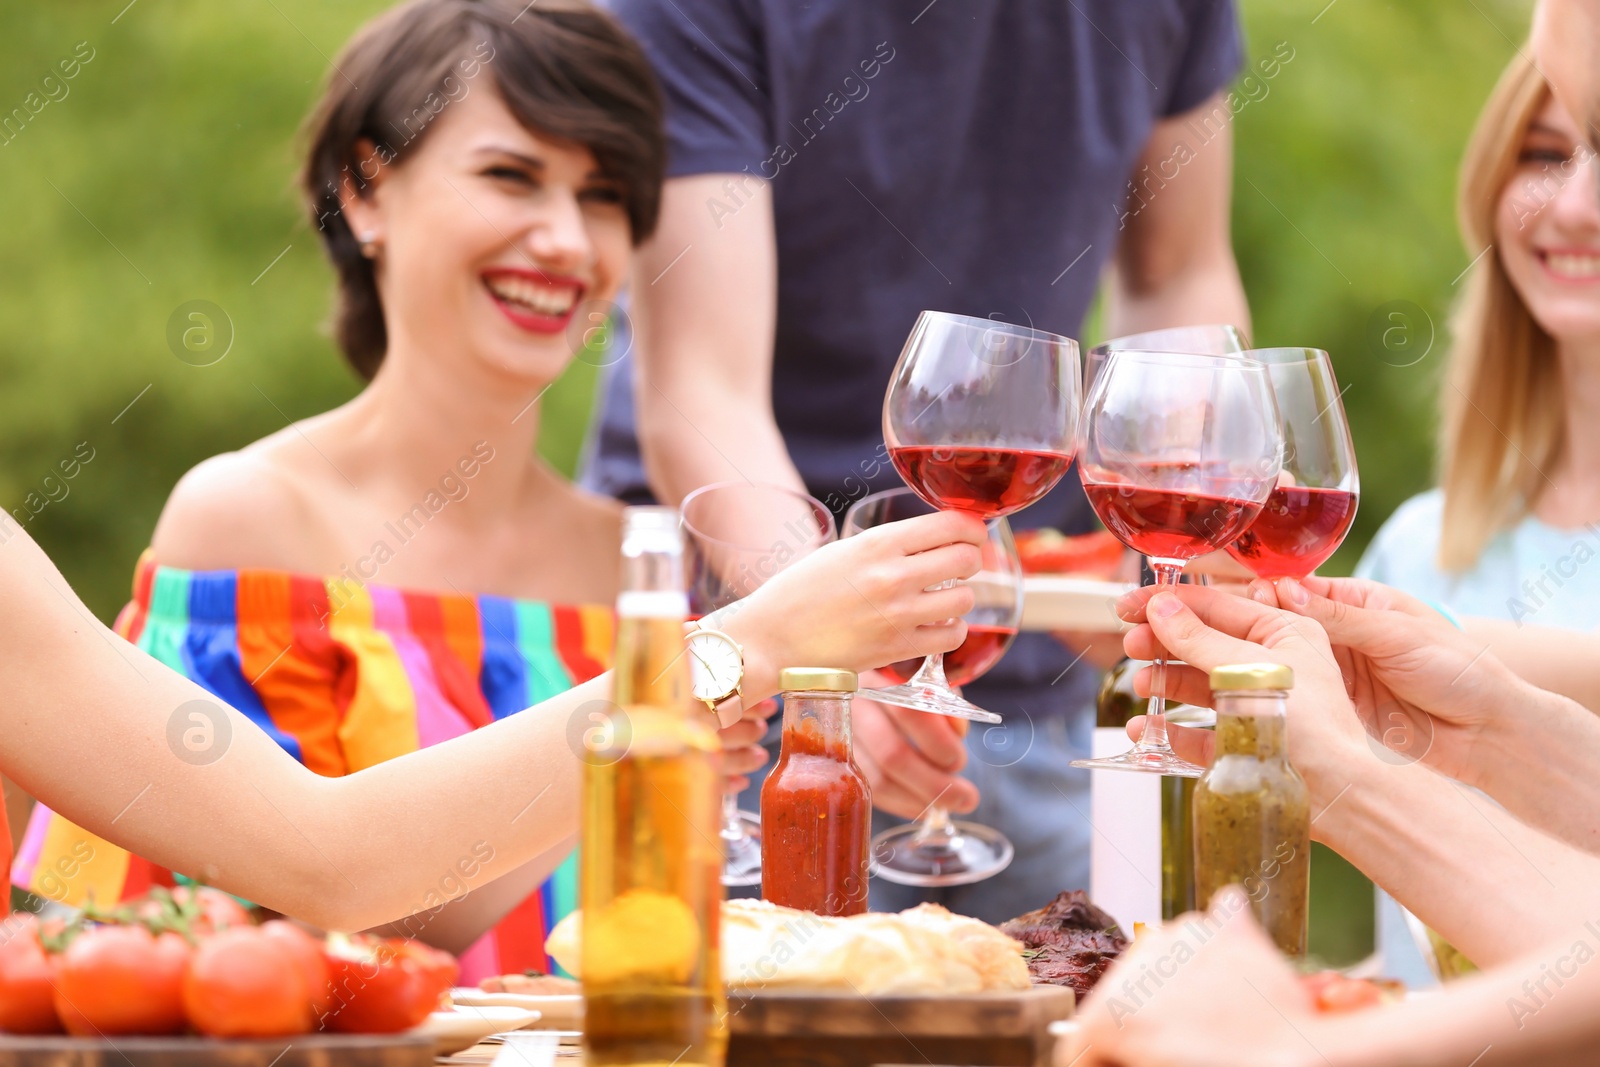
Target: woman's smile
(1572, 265)
(533, 300)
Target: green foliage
(166, 175)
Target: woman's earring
(369, 245)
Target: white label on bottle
(652, 604)
(1125, 848)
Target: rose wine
(987, 482)
(1296, 532)
(981, 650)
(650, 821)
(1169, 523)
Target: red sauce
(816, 823)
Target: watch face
(715, 665)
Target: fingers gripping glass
(736, 536)
(937, 850)
(980, 417)
(1179, 453)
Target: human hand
(742, 750)
(1208, 628)
(863, 602)
(1426, 689)
(1205, 990)
(910, 758)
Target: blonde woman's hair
(1503, 418)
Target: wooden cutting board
(308, 1050)
(1002, 1029)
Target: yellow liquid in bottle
(651, 865)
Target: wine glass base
(932, 699)
(971, 855)
(1156, 762)
(741, 851)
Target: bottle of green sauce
(1252, 811)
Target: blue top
(1532, 572)
(956, 155)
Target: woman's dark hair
(566, 70)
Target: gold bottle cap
(826, 679)
(1251, 676)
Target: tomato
(1048, 551)
(217, 909)
(27, 997)
(121, 980)
(246, 983)
(307, 952)
(383, 986)
(1333, 992)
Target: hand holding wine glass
(1179, 453)
(980, 418)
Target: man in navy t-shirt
(838, 166)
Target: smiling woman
(478, 171)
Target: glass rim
(974, 322)
(1307, 354)
(1156, 356)
(1105, 347)
(829, 528)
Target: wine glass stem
(931, 672)
(1154, 738)
(935, 825)
(732, 824)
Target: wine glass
(737, 535)
(937, 850)
(980, 417)
(1214, 340)
(1179, 454)
(1311, 508)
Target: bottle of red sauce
(816, 807)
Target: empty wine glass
(936, 849)
(980, 417)
(1311, 509)
(738, 535)
(1179, 453)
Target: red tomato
(382, 987)
(121, 980)
(307, 952)
(246, 983)
(1333, 992)
(27, 998)
(218, 910)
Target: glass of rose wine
(736, 536)
(980, 417)
(936, 849)
(1311, 508)
(1179, 453)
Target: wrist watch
(716, 671)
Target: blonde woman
(1514, 526)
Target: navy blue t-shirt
(971, 156)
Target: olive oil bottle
(651, 860)
(1252, 810)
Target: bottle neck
(1253, 723)
(649, 663)
(817, 724)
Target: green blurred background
(166, 175)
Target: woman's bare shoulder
(251, 508)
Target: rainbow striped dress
(343, 676)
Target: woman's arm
(137, 754)
(1562, 661)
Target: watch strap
(728, 710)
